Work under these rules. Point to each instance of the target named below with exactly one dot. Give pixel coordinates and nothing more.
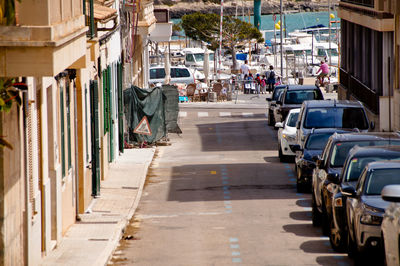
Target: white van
(179, 74)
(194, 58)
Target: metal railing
(369, 97)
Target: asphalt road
(219, 196)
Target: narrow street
(219, 196)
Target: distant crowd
(260, 83)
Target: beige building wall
(12, 189)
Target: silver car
(365, 207)
(391, 225)
(179, 74)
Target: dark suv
(329, 165)
(355, 163)
(292, 97)
(348, 115)
(272, 103)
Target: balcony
(364, 94)
(368, 3)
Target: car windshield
(277, 92)
(299, 96)
(379, 178)
(317, 141)
(336, 117)
(356, 165)
(292, 119)
(179, 73)
(341, 149)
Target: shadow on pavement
(244, 135)
(240, 181)
(304, 202)
(306, 230)
(300, 215)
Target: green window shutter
(62, 130)
(105, 100)
(68, 105)
(95, 137)
(86, 125)
(110, 104)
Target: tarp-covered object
(171, 108)
(150, 103)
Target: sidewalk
(92, 240)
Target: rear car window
(292, 119)
(341, 149)
(180, 73)
(157, 73)
(335, 117)
(379, 178)
(277, 93)
(317, 141)
(299, 96)
(356, 165)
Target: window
(317, 141)
(334, 117)
(292, 119)
(189, 58)
(356, 165)
(299, 96)
(157, 73)
(379, 178)
(179, 73)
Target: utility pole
(329, 37)
(281, 32)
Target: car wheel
(270, 119)
(351, 246)
(282, 158)
(300, 186)
(337, 239)
(315, 214)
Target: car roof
(365, 136)
(280, 87)
(373, 150)
(301, 87)
(295, 110)
(332, 103)
(392, 164)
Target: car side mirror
(295, 147)
(268, 99)
(391, 193)
(372, 125)
(349, 192)
(333, 178)
(298, 125)
(278, 102)
(279, 125)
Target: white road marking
(202, 114)
(247, 114)
(182, 114)
(224, 113)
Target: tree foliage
(206, 27)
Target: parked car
(329, 165)
(391, 225)
(287, 135)
(272, 103)
(365, 208)
(349, 115)
(293, 96)
(355, 162)
(305, 156)
(179, 74)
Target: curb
(113, 244)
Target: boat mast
(329, 37)
(220, 36)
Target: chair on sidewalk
(217, 88)
(190, 91)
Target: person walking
(244, 73)
(263, 84)
(270, 74)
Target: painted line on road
(236, 260)
(235, 246)
(224, 114)
(247, 114)
(202, 114)
(182, 114)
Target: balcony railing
(368, 3)
(360, 91)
